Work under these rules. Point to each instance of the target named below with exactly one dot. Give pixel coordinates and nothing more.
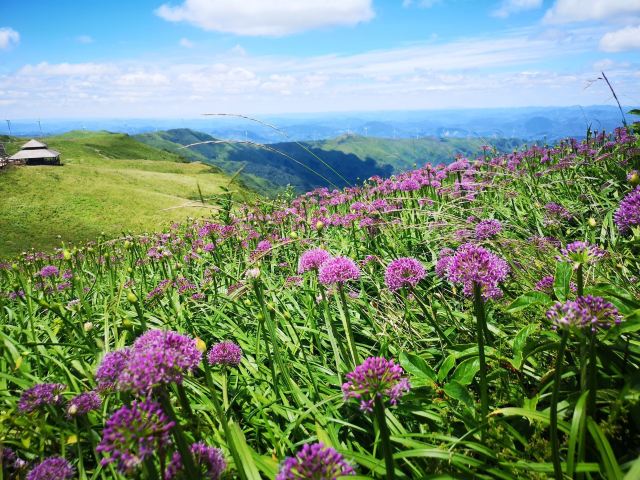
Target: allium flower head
(475, 264)
(225, 353)
(159, 357)
(376, 377)
(312, 259)
(210, 460)
(487, 229)
(580, 253)
(587, 312)
(113, 363)
(49, 271)
(83, 404)
(338, 270)
(133, 433)
(628, 213)
(404, 272)
(41, 395)
(445, 256)
(315, 462)
(52, 468)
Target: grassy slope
(109, 183)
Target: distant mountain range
(339, 162)
(540, 123)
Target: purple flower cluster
(210, 460)
(587, 312)
(52, 468)
(404, 272)
(312, 259)
(49, 271)
(315, 462)
(580, 253)
(473, 264)
(376, 377)
(225, 353)
(628, 213)
(41, 395)
(338, 270)
(157, 357)
(83, 404)
(133, 433)
(487, 229)
(545, 284)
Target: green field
(109, 183)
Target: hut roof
(33, 144)
(35, 153)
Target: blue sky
(182, 58)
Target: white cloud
(627, 38)
(267, 17)
(84, 39)
(508, 7)
(420, 3)
(8, 37)
(66, 69)
(239, 51)
(186, 43)
(567, 11)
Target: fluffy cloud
(567, 11)
(267, 18)
(627, 38)
(8, 37)
(508, 7)
(186, 43)
(66, 69)
(84, 39)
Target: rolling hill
(339, 162)
(109, 183)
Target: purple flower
(40, 395)
(210, 460)
(225, 353)
(315, 462)
(83, 404)
(312, 259)
(338, 270)
(404, 272)
(133, 433)
(487, 229)
(52, 468)
(580, 253)
(49, 271)
(446, 255)
(110, 368)
(158, 357)
(545, 284)
(376, 377)
(584, 312)
(628, 213)
(473, 264)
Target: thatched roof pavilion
(36, 153)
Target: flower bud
(200, 345)
(131, 297)
(592, 222)
(66, 254)
(88, 326)
(319, 225)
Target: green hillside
(338, 162)
(406, 153)
(109, 183)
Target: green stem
(338, 349)
(383, 430)
(592, 379)
(478, 305)
(179, 436)
(347, 326)
(225, 393)
(553, 415)
(433, 320)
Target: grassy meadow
(476, 320)
(109, 183)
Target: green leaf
(634, 111)
(418, 368)
(447, 364)
(531, 415)
(576, 435)
(611, 467)
(519, 342)
(527, 300)
(466, 371)
(247, 468)
(634, 471)
(459, 392)
(562, 280)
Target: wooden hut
(36, 153)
